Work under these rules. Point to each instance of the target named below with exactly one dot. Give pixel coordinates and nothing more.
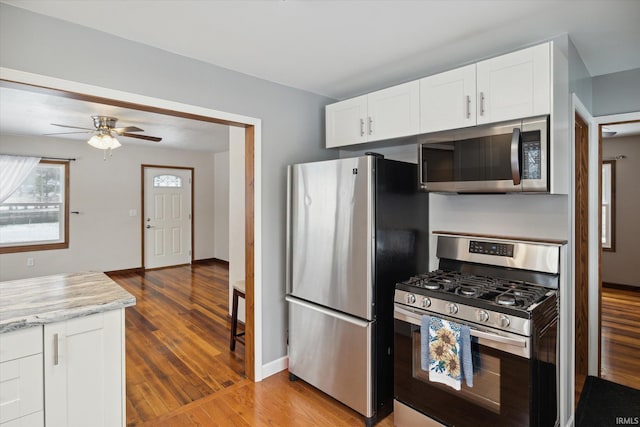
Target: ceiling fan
(105, 126)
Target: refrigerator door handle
(288, 246)
(337, 315)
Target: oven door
(501, 393)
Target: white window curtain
(13, 171)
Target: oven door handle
(416, 319)
(498, 338)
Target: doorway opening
(251, 142)
(618, 280)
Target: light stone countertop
(47, 299)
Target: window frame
(32, 247)
(611, 247)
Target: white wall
(616, 93)
(620, 267)
(104, 237)
(221, 205)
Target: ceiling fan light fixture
(104, 141)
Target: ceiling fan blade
(120, 131)
(67, 133)
(72, 127)
(145, 137)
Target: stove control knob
(503, 321)
(482, 316)
(411, 298)
(452, 308)
(426, 302)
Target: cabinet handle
(482, 103)
(468, 106)
(361, 127)
(56, 351)
(370, 125)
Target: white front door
(167, 217)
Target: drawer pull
(56, 342)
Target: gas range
(487, 282)
(505, 292)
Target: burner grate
(502, 292)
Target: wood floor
(180, 371)
(621, 336)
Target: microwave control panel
(491, 248)
(532, 156)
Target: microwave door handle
(422, 169)
(516, 141)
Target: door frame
(142, 210)
(22, 80)
(581, 239)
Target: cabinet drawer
(20, 343)
(32, 420)
(21, 387)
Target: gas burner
(433, 286)
(508, 300)
(467, 291)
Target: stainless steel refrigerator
(355, 227)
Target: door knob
(148, 226)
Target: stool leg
(234, 320)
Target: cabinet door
(84, 371)
(394, 112)
(448, 100)
(514, 85)
(345, 122)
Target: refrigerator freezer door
(331, 238)
(332, 352)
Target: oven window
(486, 377)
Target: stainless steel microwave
(498, 158)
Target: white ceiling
(334, 48)
(343, 48)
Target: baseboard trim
(621, 286)
(210, 260)
(274, 367)
(126, 270)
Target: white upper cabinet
(448, 100)
(346, 122)
(511, 86)
(514, 85)
(387, 113)
(394, 112)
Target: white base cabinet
(64, 374)
(21, 380)
(84, 371)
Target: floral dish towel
(446, 352)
